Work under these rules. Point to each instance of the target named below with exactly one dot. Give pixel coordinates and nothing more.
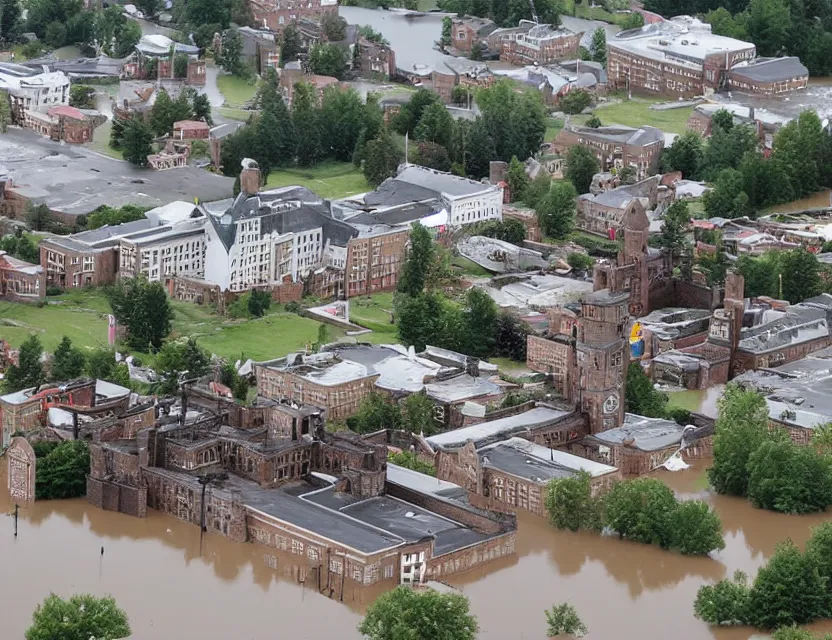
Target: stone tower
(603, 356)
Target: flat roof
(647, 434)
(487, 432)
(524, 459)
(439, 181)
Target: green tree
(176, 360)
(422, 319)
(685, 155)
(62, 473)
(28, 372)
(374, 414)
(581, 165)
(216, 13)
(372, 125)
(67, 362)
(598, 46)
(512, 337)
(570, 505)
(480, 323)
(419, 415)
(382, 158)
(740, 428)
(431, 155)
(695, 528)
(81, 617)
(594, 122)
(800, 271)
(201, 109)
(328, 60)
(342, 119)
(117, 132)
(764, 182)
(447, 27)
(480, 149)
(291, 44)
(410, 461)
(769, 26)
(537, 190)
(724, 24)
(55, 36)
(726, 148)
(5, 106)
(642, 398)
(580, 261)
(797, 153)
(105, 215)
(259, 302)
(728, 198)
(676, 221)
(563, 620)
(408, 117)
(101, 365)
(788, 590)
(81, 96)
(420, 255)
(276, 143)
(10, 21)
(575, 101)
(517, 179)
(307, 124)
(334, 27)
(724, 603)
(39, 217)
(819, 551)
(789, 478)
(419, 615)
(230, 55)
(435, 125)
(556, 211)
(640, 510)
(136, 142)
(144, 309)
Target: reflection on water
(154, 569)
(819, 199)
(699, 400)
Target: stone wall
(471, 557)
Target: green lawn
(637, 112)
(83, 318)
(232, 113)
(328, 179)
(470, 268)
(553, 127)
(236, 91)
(372, 312)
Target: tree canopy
(418, 615)
(80, 617)
(144, 309)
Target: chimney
(472, 367)
(249, 177)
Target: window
(297, 546)
(357, 574)
(336, 567)
(312, 552)
(388, 571)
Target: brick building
(616, 147)
(682, 58)
(190, 130)
(541, 45)
(293, 73)
(276, 14)
(466, 30)
(21, 281)
(375, 60)
(263, 487)
(64, 123)
(374, 261)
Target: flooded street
(154, 570)
(817, 200)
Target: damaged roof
(647, 434)
(800, 323)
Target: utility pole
(16, 515)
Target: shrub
(293, 307)
(62, 472)
(410, 461)
(575, 102)
(570, 504)
(580, 261)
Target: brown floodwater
(154, 569)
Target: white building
(177, 250)
(265, 238)
(466, 201)
(31, 90)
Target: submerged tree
(81, 617)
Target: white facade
(31, 91)
(487, 205)
(170, 253)
(255, 259)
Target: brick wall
(470, 557)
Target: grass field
(82, 317)
(372, 312)
(470, 268)
(233, 113)
(236, 91)
(637, 112)
(553, 127)
(328, 179)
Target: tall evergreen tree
(556, 210)
(479, 149)
(307, 123)
(382, 158)
(28, 372)
(581, 165)
(136, 142)
(67, 362)
(420, 256)
(276, 145)
(435, 125)
(342, 119)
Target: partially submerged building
(541, 45)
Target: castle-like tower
(602, 358)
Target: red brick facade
(373, 263)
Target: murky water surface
(155, 570)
